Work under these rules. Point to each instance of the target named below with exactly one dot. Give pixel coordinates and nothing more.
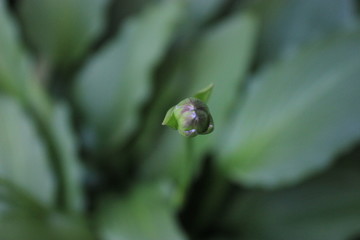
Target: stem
(188, 163)
(186, 171)
(213, 200)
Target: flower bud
(190, 117)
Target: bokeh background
(85, 85)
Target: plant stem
(186, 171)
(188, 163)
(213, 200)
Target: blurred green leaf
(62, 31)
(290, 24)
(16, 75)
(175, 78)
(53, 226)
(222, 56)
(17, 78)
(172, 90)
(142, 215)
(11, 55)
(22, 217)
(15, 199)
(120, 10)
(201, 11)
(298, 115)
(166, 161)
(69, 163)
(114, 85)
(23, 158)
(326, 207)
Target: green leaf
(22, 217)
(290, 24)
(11, 54)
(298, 115)
(18, 79)
(23, 158)
(115, 84)
(54, 226)
(200, 11)
(142, 215)
(121, 10)
(204, 94)
(166, 160)
(170, 119)
(16, 75)
(222, 56)
(13, 199)
(62, 31)
(68, 161)
(326, 207)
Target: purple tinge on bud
(193, 117)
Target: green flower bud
(191, 116)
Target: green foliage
(85, 85)
(69, 165)
(24, 160)
(327, 207)
(311, 116)
(141, 215)
(51, 226)
(125, 66)
(291, 24)
(62, 31)
(222, 57)
(19, 82)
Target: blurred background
(85, 85)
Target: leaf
(170, 119)
(289, 25)
(204, 94)
(141, 215)
(222, 56)
(62, 31)
(22, 217)
(14, 199)
(119, 11)
(326, 207)
(50, 226)
(115, 84)
(23, 159)
(179, 81)
(298, 115)
(69, 163)
(201, 11)
(16, 75)
(11, 54)
(18, 79)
